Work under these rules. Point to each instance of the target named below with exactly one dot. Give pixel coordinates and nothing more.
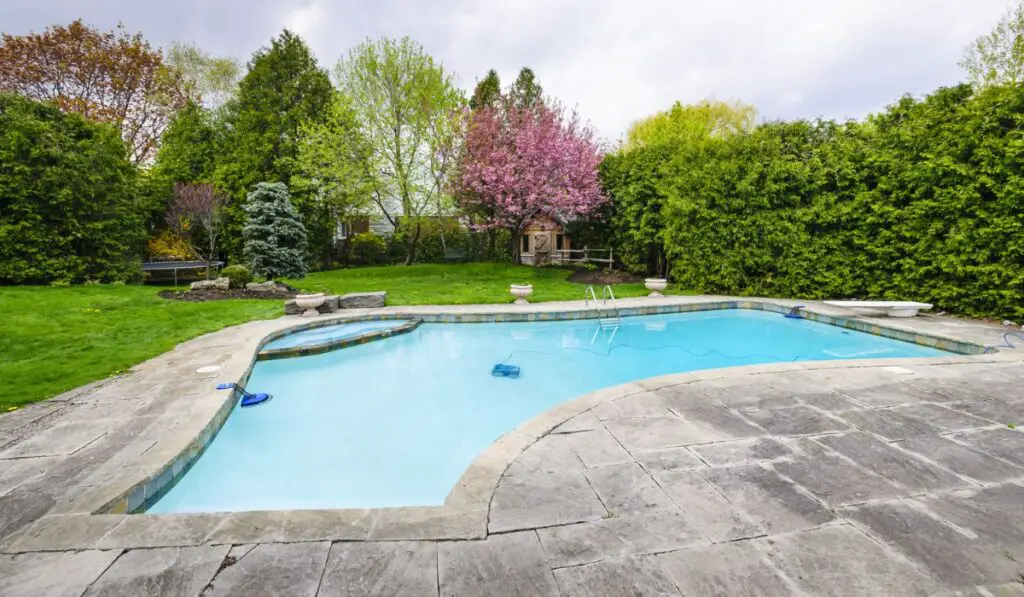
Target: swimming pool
(396, 422)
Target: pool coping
(100, 519)
(269, 354)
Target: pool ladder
(606, 309)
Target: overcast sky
(614, 60)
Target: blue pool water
(332, 332)
(396, 422)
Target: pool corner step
(301, 350)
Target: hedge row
(67, 204)
(922, 202)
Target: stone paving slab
(575, 544)
(386, 569)
(835, 480)
(941, 416)
(669, 460)
(59, 440)
(713, 514)
(772, 502)
(273, 569)
(147, 530)
(956, 558)
(888, 424)
(637, 575)
(597, 448)
(742, 451)
(842, 562)
(1004, 443)
(796, 420)
(896, 465)
(165, 572)
(52, 574)
(731, 569)
(627, 489)
(963, 460)
(543, 499)
(509, 565)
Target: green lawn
(55, 339)
(458, 284)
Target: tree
(526, 91)
(519, 163)
(196, 207)
(487, 92)
(997, 58)
(67, 207)
(109, 76)
(333, 162)
(404, 102)
(275, 239)
(213, 78)
(283, 91)
(692, 123)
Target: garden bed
(214, 294)
(603, 276)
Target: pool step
(609, 322)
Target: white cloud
(615, 61)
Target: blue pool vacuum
(794, 313)
(503, 370)
(248, 398)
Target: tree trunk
(515, 246)
(410, 248)
(492, 244)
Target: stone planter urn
(309, 302)
(521, 291)
(656, 285)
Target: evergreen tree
(526, 91)
(283, 91)
(487, 92)
(275, 239)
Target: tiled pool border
(329, 345)
(464, 513)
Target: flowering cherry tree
(519, 163)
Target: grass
(56, 339)
(457, 284)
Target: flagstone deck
(839, 478)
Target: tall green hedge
(922, 202)
(67, 210)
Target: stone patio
(837, 478)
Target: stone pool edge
(464, 514)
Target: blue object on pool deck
(794, 313)
(254, 399)
(503, 370)
(248, 398)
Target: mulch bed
(199, 296)
(603, 276)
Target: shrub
(368, 249)
(238, 275)
(921, 202)
(275, 239)
(67, 206)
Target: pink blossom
(521, 163)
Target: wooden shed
(545, 241)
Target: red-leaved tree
(521, 163)
(111, 76)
